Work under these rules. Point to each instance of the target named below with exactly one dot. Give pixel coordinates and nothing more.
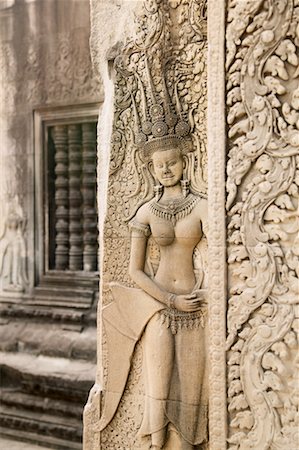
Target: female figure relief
(167, 310)
(13, 270)
(173, 341)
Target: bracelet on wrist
(170, 301)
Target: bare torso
(176, 243)
(175, 274)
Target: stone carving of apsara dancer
(13, 268)
(168, 309)
(174, 342)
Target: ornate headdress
(163, 126)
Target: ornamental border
(217, 225)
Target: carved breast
(163, 232)
(186, 232)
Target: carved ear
(185, 161)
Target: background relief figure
(13, 270)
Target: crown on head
(163, 126)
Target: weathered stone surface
(256, 141)
(135, 409)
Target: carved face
(168, 166)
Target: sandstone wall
(252, 151)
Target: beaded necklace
(175, 209)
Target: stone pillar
(61, 197)
(156, 105)
(243, 162)
(75, 198)
(90, 235)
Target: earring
(158, 191)
(185, 187)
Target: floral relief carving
(68, 76)
(262, 205)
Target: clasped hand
(190, 302)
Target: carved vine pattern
(262, 205)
